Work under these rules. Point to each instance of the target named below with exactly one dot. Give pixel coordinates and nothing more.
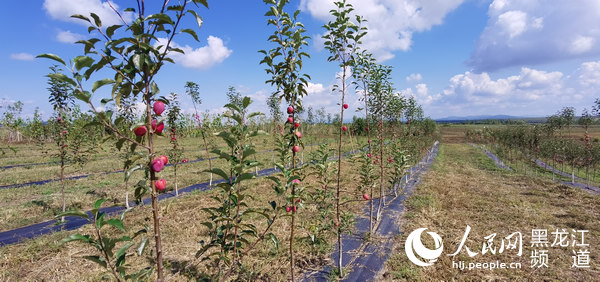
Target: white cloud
(414, 77)
(22, 56)
(391, 24)
(513, 23)
(535, 32)
(588, 74)
(6, 101)
(64, 9)
(66, 36)
(582, 44)
(201, 58)
(422, 89)
(531, 92)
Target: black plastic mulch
(42, 182)
(497, 161)
(366, 259)
(541, 164)
(71, 223)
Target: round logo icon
(414, 247)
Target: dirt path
(465, 188)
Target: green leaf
(97, 20)
(246, 102)
(76, 213)
(97, 260)
(138, 60)
(93, 123)
(274, 240)
(82, 96)
(120, 143)
(198, 18)
(82, 61)
(77, 237)
(116, 223)
(218, 172)
(121, 253)
(142, 246)
(98, 203)
(162, 18)
(203, 2)
(63, 78)
(208, 224)
(245, 176)
(190, 32)
(111, 30)
(82, 17)
(101, 83)
(154, 89)
(100, 219)
(131, 170)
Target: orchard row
(129, 52)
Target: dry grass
(43, 259)
(463, 189)
(31, 204)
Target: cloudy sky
(457, 57)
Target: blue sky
(457, 57)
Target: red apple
(324, 187)
(295, 208)
(290, 119)
(157, 165)
(288, 209)
(59, 120)
(290, 109)
(344, 128)
(296, 125)
(160, 184)
(296, 149)
(184, 161)
(164, 159)
(158, 128)
(296, 181)
(140, 131)
(159, 107)
(298, 134)
(345, 106)
(337, 223)
(366, 197)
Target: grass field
(465, 188)
(44, 258)
(31, 204)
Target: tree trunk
(155, 208)
(176, 186)
(62, 189)
(573, 173)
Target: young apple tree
(134, 52)
(284, 63)
(342, 40)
